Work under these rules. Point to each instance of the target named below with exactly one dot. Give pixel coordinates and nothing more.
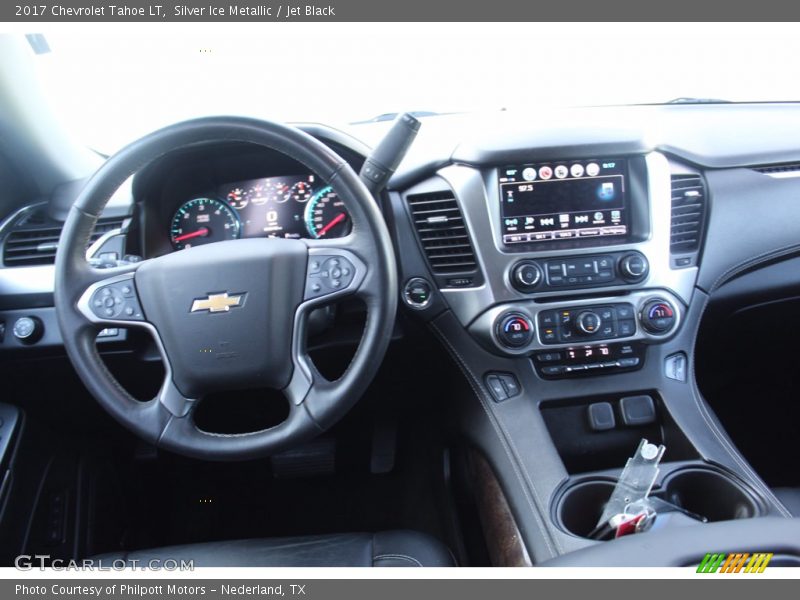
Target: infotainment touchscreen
(576, 200)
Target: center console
(563, 290)
(575, 259)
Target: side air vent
(780, 171)
(688, 213)
(442, 233)
(34, 242)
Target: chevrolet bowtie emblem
(217, 302)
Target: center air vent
(34, 240)
(688, 213)
(442, 233)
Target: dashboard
(565, 264)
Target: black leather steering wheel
(229, 315)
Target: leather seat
(384, 549)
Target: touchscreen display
(576, 200)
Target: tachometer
(326, 216)
(203, 221)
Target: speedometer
(203, 221)
(326, 216)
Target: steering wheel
(230, 315)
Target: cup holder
(711, 494)
(582, 505)
(702, 491)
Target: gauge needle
(335, 221)
(187, 236)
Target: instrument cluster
(286, 206)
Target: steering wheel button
(336, 273)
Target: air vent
(31, 247)
(688, 213)
(442, 233)
(781, 171)
(30, 243)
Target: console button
(546, 357)
(416, 293)
(626, 328)
(675, 366)
(549, 334)
(633, 267)
(552, 370)
(608, 330)
(601, 416)
(605, 276)
(511, 384)
(606, 314)
(28, 330)
(658, 316)
(548, 319)
(624, 311)
(628, 362)
(514, 330)
(496, 388)
(565, 335)
(589, 322)
(525, 276)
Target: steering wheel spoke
(112, 301)
(333, 271)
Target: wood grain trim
(503, 538)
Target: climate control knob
(633, 267)
(589, 322)
(657, 316)
(514, 330)
(526, 275)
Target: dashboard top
(706, 135)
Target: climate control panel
(586, 323)
(527, 327)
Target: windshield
(112, 87)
